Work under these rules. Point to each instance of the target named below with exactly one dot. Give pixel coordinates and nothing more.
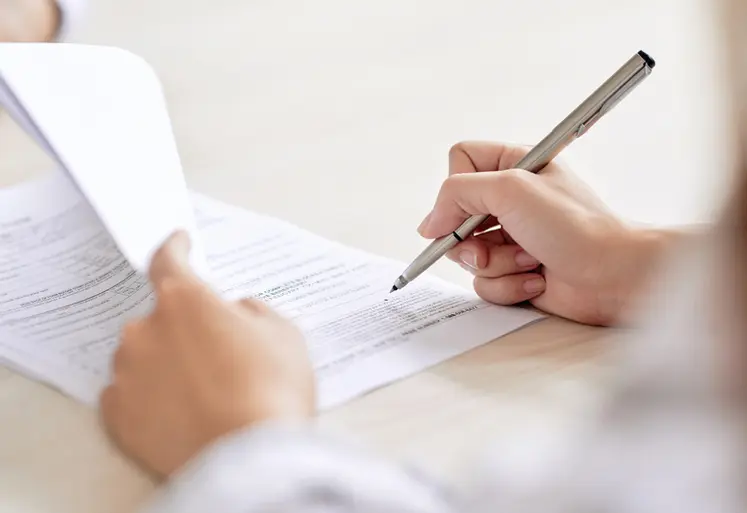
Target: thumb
(172, 259)
(494, 193)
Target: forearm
(280, 468)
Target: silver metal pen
(574, 126)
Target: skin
(198, 367)
(559, 246)
(25, 21)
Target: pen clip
(613, 100)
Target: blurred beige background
(338, 116)
(355, 104)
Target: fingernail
(524, 259)
(424, 224)
(534, 285)
(469, 259)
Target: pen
(572, 127)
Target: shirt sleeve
(283, 469)
(663, 437)
(71, 16)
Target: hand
(199, 367)
(558, 246)
(23, 21)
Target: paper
(66, 290)
(100, 113)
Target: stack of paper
(72, 253)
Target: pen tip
(394, 289)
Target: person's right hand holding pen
(558, 246)
(592, 264)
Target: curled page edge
(25, 108)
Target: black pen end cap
(646, 57)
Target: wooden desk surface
(55, 458)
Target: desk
(351, 102)
(54, 458)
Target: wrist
(273, 405)
(640, 251)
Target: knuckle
(168, 289)
(451, 185)
(511, 178)
(172, 293)
(509, 158)
(457, 149)
(511, 182)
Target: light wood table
(338, 116)
(54, 457)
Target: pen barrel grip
(469, 226)
(534, 161)
(537, 158)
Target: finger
(184, 298)
(132, 333)
(494, 261)
(495, 193)
(108, 408)
(472, 156)
(511, 289)
(172, 259)
(493, 237)
(489, 223)
(474, 252)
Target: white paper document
(74, 248)
(99, 112)
(66, 290)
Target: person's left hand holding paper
(199, 367)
